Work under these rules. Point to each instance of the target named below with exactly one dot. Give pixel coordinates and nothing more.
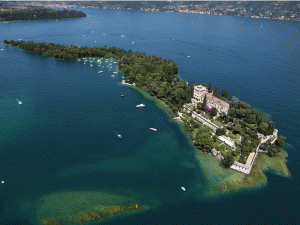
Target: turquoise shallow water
(62, 141)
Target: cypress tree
(216, 92)
(209, 87)
(204, 103)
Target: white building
(227, 141)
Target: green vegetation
(203, 103)
(52, 221)
(87, 217)
(220, 131)
(91, 216)
(233, 136)
(228, 161)
(40, 14)
(213, 111)
(157, 77)
(115, 209)
(150, 73)
(201, 134)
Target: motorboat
(91, 64)
(115, 62)
(113, 75)
(122, 95)
(20, 103)
(140, 105)
(115, 72)
(119, 135)
(183, 188)
(153, 129)
(100, 71)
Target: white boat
(100, 71)
(115, 62)
(123, 77)
(113, 75)
(2, 49)
(2, 182)
(119, 135)
(115, 72)
(91, 64)
(183, 188)
(20, 103)
(153, 129)
(140, 105)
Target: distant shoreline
(248, 9)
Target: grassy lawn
(233, 136)
(218, 123)
(190, 106)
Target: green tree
(224, 93)
(280, 142)
(215, 138)
(213, 111)
(204, 142)
(272, 152)
(203, 103)
(228, 161)
(226, 119)
(209, 87)
(216, 92)
(241, 113)
(234, 153)
(220, 131)
(250, 118)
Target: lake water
(59, 150)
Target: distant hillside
(287, 10)
(39, 14)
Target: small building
(226, 141)
(217, 154)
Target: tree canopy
(151, 73)
(40, 14)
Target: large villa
(223, 107)
(211, 101)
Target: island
(241, 137)
(91, 216)
(39, 14)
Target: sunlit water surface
(59, 150)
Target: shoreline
(192, 12)
(234, 181)
(226, 177)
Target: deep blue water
(63, 138)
